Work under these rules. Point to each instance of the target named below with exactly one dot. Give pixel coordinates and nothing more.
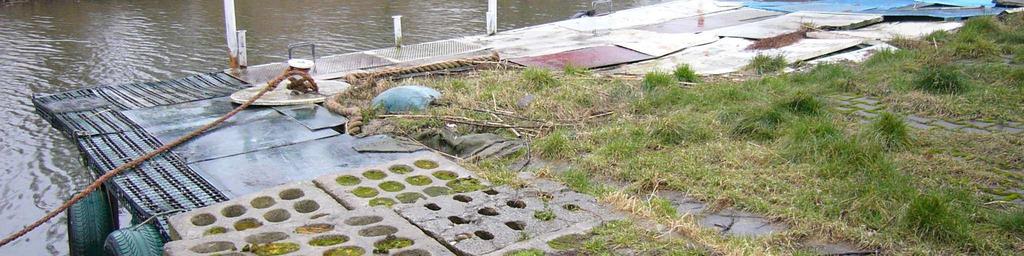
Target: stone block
(919, 119)
(500, 220)
(292, 202)
(947, 125)
(735, 222)
(368, 231)
(408, 180)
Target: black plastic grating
(92, 122)
(192, 88)
(160, 184)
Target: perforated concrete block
(286, 203)
(498, 220)
(403, 181)
(368, 231)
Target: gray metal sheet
(250, 130)
(426, 50)
(312, 116)
(250, 172)
(795, 21)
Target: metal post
(229, 29)
(243, 60)
(492, 17)
(398, 30)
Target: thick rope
(110, 174)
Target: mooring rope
(354, 114)
(111, 173)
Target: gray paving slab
(979, 124)
(386, 144)
(369, 231)
(947, 125)
(250, 172)
(733, 222)
(974, 130)
(292, 202)
(867, 100)
(253, 129)
(403, 181)
(312, 116)
(917, 125)
(919, 119)
(502, 219)
(865, 114)
(866, 106)
(1006, 129)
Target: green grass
(539, 78)
(654, 80)
(766, 64)
(573, 70)
(778, 147)
(684, 73)
(931, 217)
(940, 79)
(891, 131)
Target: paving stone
(947, 125)
(683, 203)
(502, 219)
(836, 248)
(292, 202)
(733, 222)
(974, 130)
(866, 106)
(979, 124)
(919, 119)
(865, 114)
(842, 109)
(844, 103)
(866, 100)
(1006, 129)
(358, 232)
(386, 144)
(402, 181)
(918, 125)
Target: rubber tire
(143, 240)
(89, 222)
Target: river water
(57, 45)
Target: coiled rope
(111, 173)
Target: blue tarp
(945, 9)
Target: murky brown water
(52, 45)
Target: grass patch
(539, 78)
(1011, 221)
(574, 70)
(684, 73)
(891, 131)
(766, 64)
(656, 79)
(931, 217)
(940, 78)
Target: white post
(243, 59)
(492, 17)
(398, 30)
(229, 29)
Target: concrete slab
(386, 144)
(293, 202)
(648, 15)
(281, 96)
(701, 23)
(730, 55)
(534, 41)
(250, 130)
(368, 231)
(592, 57)
(665, 43)
(794, 21)
(502, 220)
(735, 222)
(855, 56)
(404, 181)
(312, 116)
(906, 29)
(250, 172)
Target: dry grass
(779, 41)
